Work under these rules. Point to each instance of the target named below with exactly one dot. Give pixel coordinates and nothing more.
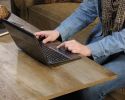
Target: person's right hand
(49, 36)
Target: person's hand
(4, 13)
(49, 36)
(76, 47)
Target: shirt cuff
(63, 32)
(97, 52)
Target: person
(106, 45)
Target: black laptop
(46, 53)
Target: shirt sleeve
(82, 17)
(108, 45)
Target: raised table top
(24, 78)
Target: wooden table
(23, 78)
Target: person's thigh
(98, 92)
(117, 65)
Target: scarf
(113, 16)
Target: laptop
(46, 53)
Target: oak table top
(24, 78)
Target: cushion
(79, 1)
(23, 3)
(53, 1)
(48, 16)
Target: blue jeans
(98, 92)
(116, 64)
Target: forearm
(82, 17)
(108, 45)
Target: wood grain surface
(24, 78)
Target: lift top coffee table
(24, 78)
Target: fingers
(39, 34)
(61, 45)
(47, 36)
(67, 45)
(74, 51)
(46, 40)
(43, 34)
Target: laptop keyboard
(52, 55)
(65, 52)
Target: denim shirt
(85, 14)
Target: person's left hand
(76, 47)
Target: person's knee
(116, 68)
(94, 93)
